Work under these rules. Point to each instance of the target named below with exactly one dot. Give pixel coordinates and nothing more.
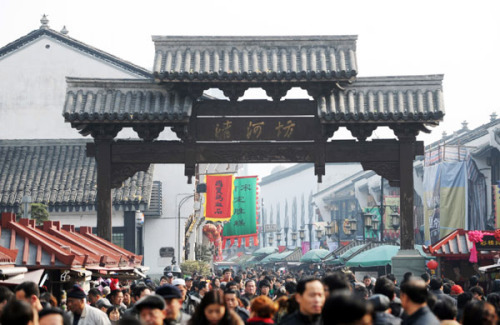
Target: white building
(33, 71)
(294, 183)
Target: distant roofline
(114, 60)
(468, 135)
(295, 169)
(350, 179)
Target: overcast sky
(460, 39)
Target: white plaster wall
(163, 232)
(303, 182)
(33, 88)
(85, 218)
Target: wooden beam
(254, 107)
(173, 152)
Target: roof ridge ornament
(64, 30)
(45, 22)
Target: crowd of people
(257, 297)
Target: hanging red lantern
(432, 265)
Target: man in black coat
(414, 301)
(311, 297)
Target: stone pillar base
(408, 260)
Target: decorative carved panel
(388, 170)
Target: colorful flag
(243, 223)
(219, 197)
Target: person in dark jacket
(344, 308)
(436, 288)
(381, 305)
(414, 301)
(263, 310)
(232, 302)
(311, 297)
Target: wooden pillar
(103, 159)
(406, 154)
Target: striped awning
(455, 244)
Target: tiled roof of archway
(386, 99)
(123, 101)
(255, 58)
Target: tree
(200, 267)
(39, 213)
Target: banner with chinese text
(219, 197)
(496, 201)
(243, 223)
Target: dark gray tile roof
(123, 101)
(385, 99)
(73, 43)
(255, 58)
(58, 173)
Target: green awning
(265, 251)
(345, 256)
(378, 256)
(314, 256)
(269, 258)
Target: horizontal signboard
(298, 128)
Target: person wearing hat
(167, 279)
(151, 310)
(456, 290)
(189, 303)
(382, 313)
(173, 302)
(103, 304)
(80, 312)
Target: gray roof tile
(255, 58)
(58, 173)
(386, 99)
(123, 101)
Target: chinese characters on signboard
(280, 130)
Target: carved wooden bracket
(182, 131)
(193, 90)
(233, 91)
(120, 172)
(148, 132)
(327, 131)
(362, 132)
(98, 131)
(277, 91)
(388, 170)
(408, 132)
(317, 90)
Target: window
(118, 239)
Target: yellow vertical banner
(496, 202)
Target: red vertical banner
(219, 197)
